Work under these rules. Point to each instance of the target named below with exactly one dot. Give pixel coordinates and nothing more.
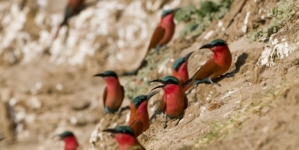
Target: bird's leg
(180, 118)
(189, 91)
(205, 80)
(165, 124)
(227, 75)
(210, 80)
(158, 48)
(153, 116)
(157, 111)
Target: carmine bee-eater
(70, 140)
(114, 92)
(180, 71)
(217, 65)
(125, 137)
(139, 119)
(180, 68)
(164, 31)
(162, 34)
(175, 101)
(73, 7)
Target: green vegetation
(279, 15)
(218, 130)
(198, 19)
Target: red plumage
(215, 66)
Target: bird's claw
(228, 75)
(218, 84)
(180, 118)
(152, 118)
(203, 81)
(209, 80)
(165, 126)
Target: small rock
(80, 104)
(34, 103)
(78, 121)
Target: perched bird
(180, 68)
(175, 101)
(73, 7)
(161, 36)
(70, 140)
(125, 137)
(217, 65)
(164, 31)
(139, 119)
(114, 92)
(180, 71)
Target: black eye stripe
(171, 82)
(127, 132)
(220, 44)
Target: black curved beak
(151, 94)
(157, 80)
(110, 130)
(157, 87)
(99, 75)
(188, 55)
(206, 46)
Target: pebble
(79, 104)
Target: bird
(175, 101)
(113, 93)
(139, 119)
(214, 67)
(70, 140)
(180, 68)
(164, 31)
(162, 34)
(126, 138)
(180, 71)
(73, 8)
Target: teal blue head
(178, 63)
(214, 43)
(137, 101)
(169, 11)
(108, 73)
(121, 129)
(170, 80)
(66, 134)
(165, 81)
